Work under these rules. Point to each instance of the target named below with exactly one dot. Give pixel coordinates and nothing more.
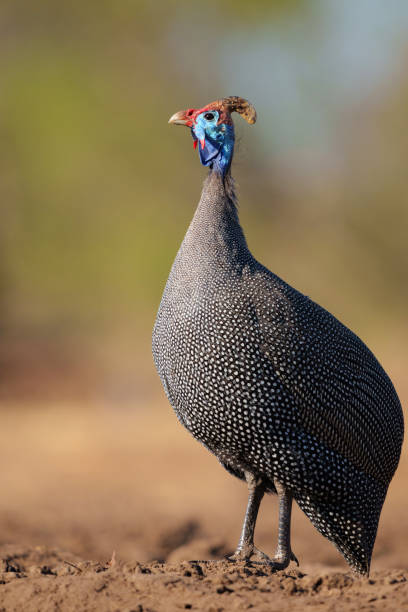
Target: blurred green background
(96, 190)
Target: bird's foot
(251, 553)
(281, 562)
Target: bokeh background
(96, 192)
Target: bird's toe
(294, 558)
(250, 553)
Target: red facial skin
(191, 114)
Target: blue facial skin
(219, 142)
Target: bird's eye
(209, 116)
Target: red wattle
(195, 144)
(202, 143)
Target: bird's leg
(283, 554)
(246, 548)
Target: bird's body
(274, 385)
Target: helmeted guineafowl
(276, 387)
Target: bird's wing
(342, 394)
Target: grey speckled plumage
(272, 383)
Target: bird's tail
(350, 524)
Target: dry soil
(79, 483)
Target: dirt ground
(80, 482)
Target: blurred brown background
(96, 192)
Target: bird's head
(213, 130)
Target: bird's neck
(215, 233)
(222, 163)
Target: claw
(294, 558)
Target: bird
(284, 395)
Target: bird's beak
(180, 118)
